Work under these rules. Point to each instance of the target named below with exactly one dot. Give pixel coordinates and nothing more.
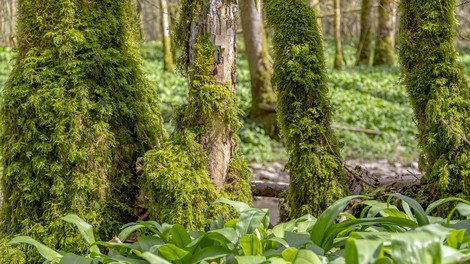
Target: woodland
(235, 131)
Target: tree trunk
(76, 114)
(365, 40)
(384, 53)
(259, 63)
(439, 93)
(315, 4)
(304, 109)
(339, 60)
(168, 64)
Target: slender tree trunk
(439, 93)
(315, 4)
(304, 109)
(384, 53)
(259, 63)
(339, 60)
(365, 40)
(168, 64)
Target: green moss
(439, 93)
(76, 112)
(304, 109)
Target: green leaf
(359, 251)
(180, 236)
(463, 209)
(289, 253)
(306, 257)
(296, 239)
(420, 214)
(211, 253)
(145, 243)
(126, 232)
(71, 258)
(250, 259)
(172, 252)
(45, 251)
(249, 220)
(251, 245)
(328, 217)
(238, 206)
(85, 229)
(154, 259)
(416, 247)
(439, 202)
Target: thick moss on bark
(304, 108)
(177, 178)
(439, 93)
(76, 112)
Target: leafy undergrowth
(381, 232)
(363, 97)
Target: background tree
(168, 64)
(202, 162)
(315, 4)
(262, 94)
(365, 39)
(439, 93)
(316, 176)
(339, 59)
(7, 22)
(384, 53)
(76, 112)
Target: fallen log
(267, 189)
(358, 179)
(356, 129)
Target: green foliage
(438, 91)
(304, 109)
(380, 232)
(76, 112)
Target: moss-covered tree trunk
(364, 48)
(201, 163)
(439, 93)
(76, 113)
(168, 64)
(304, 109)
(339, 59)
(262, 94)
(384, 52)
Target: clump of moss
(76, 112)
(439, 93)
(304, 109)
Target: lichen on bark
(304, 109)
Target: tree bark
(217, 22)
(384, 53)
(339, 59)
(315, 4)
(168, 64)
(256, 47)
(365, 40)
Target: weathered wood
(362, 179)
